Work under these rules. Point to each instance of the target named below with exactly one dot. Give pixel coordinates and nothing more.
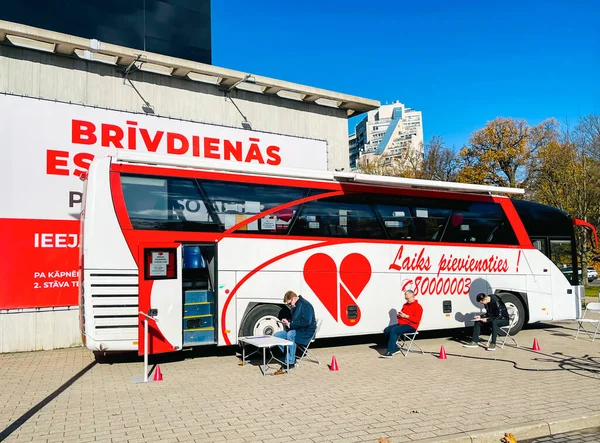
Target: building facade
(391, 132)
(66, 99)
(179, 28)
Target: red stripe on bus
(281, 207)
(515, 221)
(254, 271)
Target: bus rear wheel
(263, 320)
(511, 300)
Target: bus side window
(397, 221)
(343, 216)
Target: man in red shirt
(409, 318)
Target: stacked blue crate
(198, 317)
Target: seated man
(302, 327)
(496, 316)
(409, 318)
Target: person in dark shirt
(302, 327)
(496, 316)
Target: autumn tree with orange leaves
(501, 153)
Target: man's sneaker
(471, 344)
(284, 366)
(388, 354)
(491, 347)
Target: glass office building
(178, 28)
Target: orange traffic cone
(157, 374)
(333, 366)
(536, 345)
(442, 354)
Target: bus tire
(263, 320)
(520, 316)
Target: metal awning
(95, 50)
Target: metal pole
(146, 350)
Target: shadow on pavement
(34, 410)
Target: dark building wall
(179, 28)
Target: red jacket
(414, 311)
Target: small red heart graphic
(355, 273)
(320, 273)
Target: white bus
(213, 246)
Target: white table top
(265, 341)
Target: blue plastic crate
(198, 296)
(198, 322)
(199, 336)
(195, 309)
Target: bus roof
(328, 176)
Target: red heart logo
(355, 273)
(321, 275)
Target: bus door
(565, 291)
(539, 283)
(199, 294)
(160, 289)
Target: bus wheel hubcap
(267, 325)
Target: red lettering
(131, 136)
(418, 263)
(394, 266)
(439, 286)
(467, 286)
(55, 160)
(273, 154)
(195, 146)
(418, 285)
(453, 285)
(82, 132)
(171, 145)
(82, 161)
(211, 148)
(446, 288)
(111, 134)
(232, 151)
(151, 143)
(254, 154)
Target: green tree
(501, 152)
(566, 175)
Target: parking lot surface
(64, 395)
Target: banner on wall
(47, 147)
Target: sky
(461, 62)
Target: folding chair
(506, 329)
(304, 348)
(592, 307)
(408, 338)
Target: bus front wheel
(263, 320)
(512, 301)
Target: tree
(500, 153)
(379, 165)
(567, 176)
(440, 163)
